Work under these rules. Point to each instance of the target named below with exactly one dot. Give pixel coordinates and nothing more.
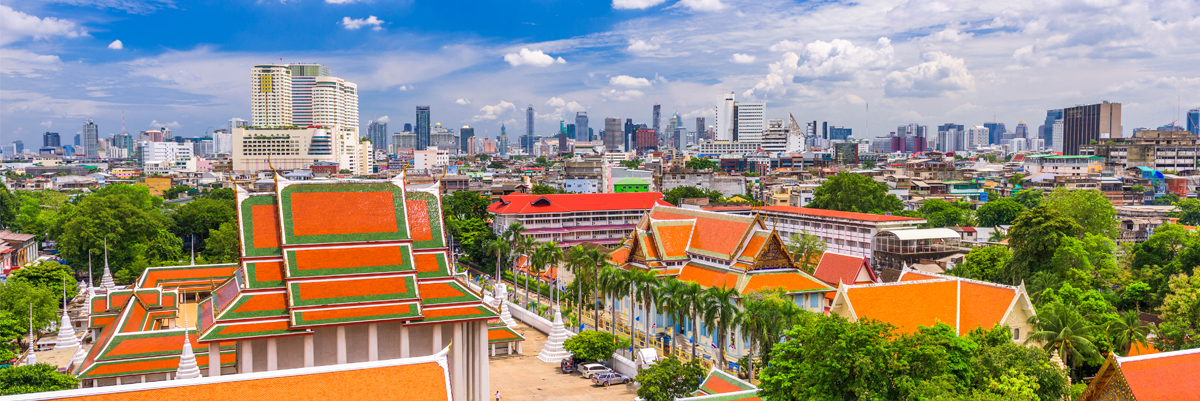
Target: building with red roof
(846, 233)
(569, 219)
(1154, 377)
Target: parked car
(589, 369)
(609, 378)
(569, 364)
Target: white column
(481, 360)
(437, 338)
(460, 371)
(214, 360)
(509, 346)
(493, 350)
(372, 342)
(404, 341)
(310, 358)
(248, 358)
(142, 378)
(341, 345)
(272, 355)
(118, 380)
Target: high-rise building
(646, 139)
(1022, 130)
(377, 133)
(19, 146)
(571, 131)
(1193, 121)
(581, 126)
(422, 128)
(630, 140)
(77, 140)
(51, 139)
(1056, 132)
(612, 134)
(271, 95)
(91, 140)
(775, 139)
(529, 121)
(725, 124)
(563, 148)
(839, 133)
(304, 80)
(751, 121)
(950, 137)
(995, 132)
(1084, 124)
(700, 129)
(528, 142)
(503, 140)
(1052, 115)
(125, 141)
(657, 115)
(466, 136)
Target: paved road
(525, 377)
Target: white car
(589, 369)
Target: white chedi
(552, 350)
(502, 298)
(66, 333)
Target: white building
(724, 118)
(1058, 135)
(167, 157)
(847, 233)
(751, 121)
(258, 149)
(977, 137)
(430, 158)
(725, 147)
(775, 140)
(223, 141)
(271, 95)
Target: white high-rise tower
(306, 95)
(724, 120)
(271, 95)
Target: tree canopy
(675, 194)
(700, 163)
(940, 213)
(999, 212)
(594, 345)
(34, 378)
(1090, 208)
(849, 192)
(669, 379)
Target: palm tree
(598, 262)
(524, 246)
(722, 314)
(1126, 330)
(610, 284)
(501, 247)
(581, 261)
(765, 316)
(544, 256)
(672, 304)
(1063, 329)
(646, 284)
(629, 278)
(692, 295)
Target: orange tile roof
(835, 268)
(356, 212)
(1138, 349)
(753, 247)
(907, 306)
(172, 276)
(716, 234)
(913, 275)
(673, 238)
(1164, 376)
(415, 378)
(836, 214)
(561, 203)
(792, 281)
(619, 256)
(708, 277)
(982, 305)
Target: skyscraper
(1084, 124)
(656, 117)
(529, 121)
(563, 148)
(271, 95)
(466, 136)
(994, 134)
(839, 133)
(951, 137)
(1022, 130)
(1052, 115)
(630, 141)
(581, 126)
(751, 121)
(1193, 121)
(19, 146)
(724, 122)
(503, 140)
(613, 133)
(378, 134)
(51, 139)
(699, 129)
(422, 128)
(304, 79)
(571, 131)
(91, 140)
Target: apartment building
(1159, 150)
(569, 219)
(847, 233)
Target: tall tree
(126, 218)
(940, 213)
(1189, 212)
(1030, 198)
(831, 359)
(1063, 330)
(806, 250)
(199, 217)
(987, 263)
(47, 274)
(1090, 208)
(223, 244)
(670, 379)
(999, 212)
(1180, 313)
(766, 315)
(721, 313)
(850, 192)
(1035, 236)
(1125, 331)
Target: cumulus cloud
(628, 81)
(26, 63)
(356, 23)
(940, 74)
(47, 123)
(462, 101)
(384, 119)
(641, 46)
(563, 108)
(173, 124)
(493, 112)
(703, 5)
(19, 25)
(834, 61)
(742, 58)
(116, 45)
(536, 58)
(621, 95)
(786, 46)
(635, 4)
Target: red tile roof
(835, 268)
(836, 214)
(708, 277)
(561, 203)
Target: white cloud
(116, 45)
(621, 95)
(404, 87)
(536, 58)
(173, 124)
(703, 5)
(18, 25)
(786, 46)
(635, 4)
(563, 107)
(494, 112)
(21, 62)
(462, 101)
(628, 81)
(743, 58)
(940, 74)
(47, 123)
(641, 46)
(834, 61)
(356, 23)
(556, 102)
(384, 119)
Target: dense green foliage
(987, 263)
(466, 218)
(806, 250)
(999, 212)
(594, 345)
(542, 189)
(1180, 313)
(34, 378)
(854, 193)
(675, 194)
(700, 163)
(670, 379)
(940, 213)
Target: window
(814, 301)
(1016, 334)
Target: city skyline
(64, 63)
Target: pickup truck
(609, 378)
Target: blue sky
(186, 64)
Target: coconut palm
(502, 248)
(524, 246)
(765, 316)
(1063, 330)
(692, 295)
(1124, 331)
(598, 261)
(721, 313)
(645, 284)
(543, 257)
(672, 304)
(581, 262)
(609, 283)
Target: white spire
(187, 362)
(66, 332)
(90, 280)
(32, 358)
(106, 281)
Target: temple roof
(835, 268)
(961, 303)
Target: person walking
(497, 395)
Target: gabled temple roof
(961, 303)
(1155, 377)
(721, 386)
(835, 268)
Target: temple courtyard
(524, 377)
